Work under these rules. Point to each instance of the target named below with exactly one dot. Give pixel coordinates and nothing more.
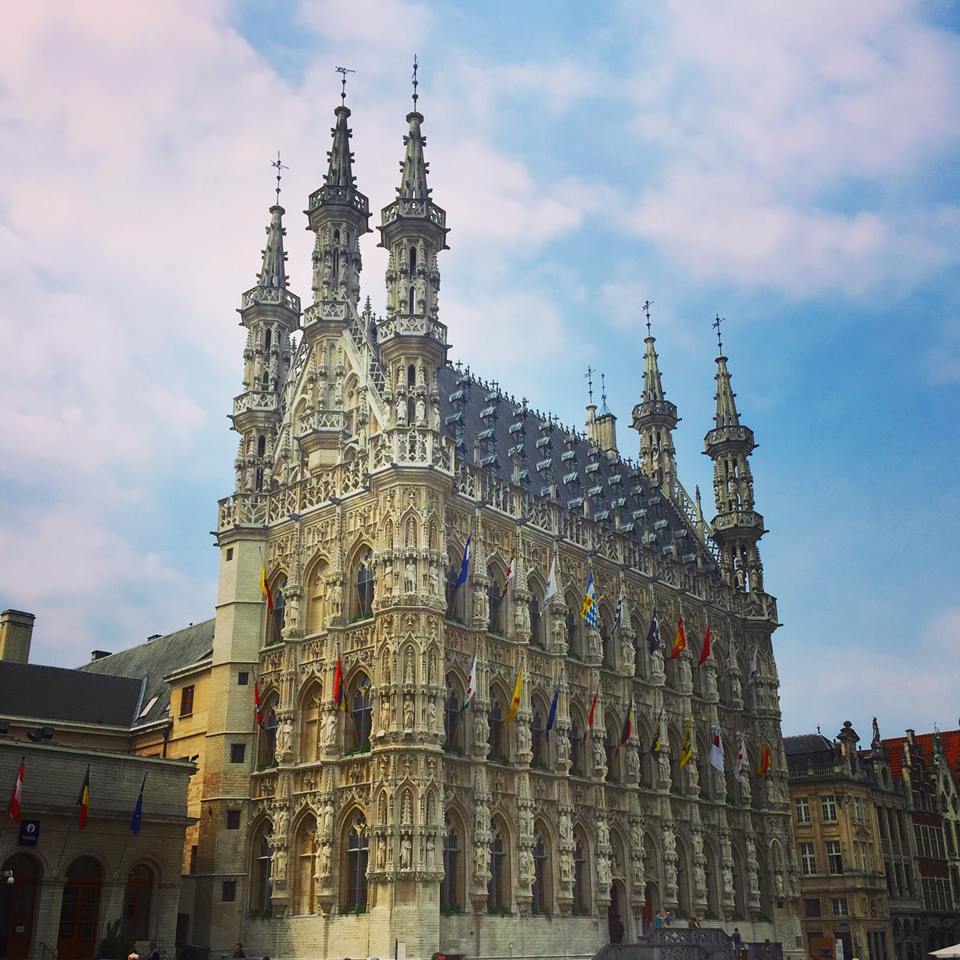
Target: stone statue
(633, 765)
(408, 714)
(524, 865)
(278, 867)
(381, 853)
(324, 865)
(401, 411)
(563, 748)
(566, 828)
(421, 412)
(432, 714)
(330, 729)
(603, 873)
(410, 577)
(434, 582)
(480, 856)
(523, 738)
(406, 853)
(431, 853)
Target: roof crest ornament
(278, 166)
(588, 376)
(716, 325)
(647, 304)
(416, 96)
(343, 71)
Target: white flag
(716, 751)
(471, 684)
(551, 583)
(754, 665)
(510, 569)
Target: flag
(13, 808)
(679, 639)
(764, 765)
(618, 616)
(84, 800)
(743, 762)
(588, 609)
(257, 705)
(627, 725)
(705, 649)
(686, 748)
(471, 684)
(464, 566)
(716, 751)
(754, 665)
(551, 583)
(137, 819)
(593, 710)
(653, 634)
(655, 746)
(515, 702)
(265, 587)
(339, 694)
(510, 569)
(552, 715)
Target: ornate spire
(726, 407)
(273, 272)
(413, 178)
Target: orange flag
(705, 650)
(679, 640)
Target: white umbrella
(953, 951)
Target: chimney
(16, 631)
(99, 655)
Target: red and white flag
(510, 569)
(716, 751)
(14, 807)
(742, 761)
(257, 705)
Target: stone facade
(367, 464)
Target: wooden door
(77, 938)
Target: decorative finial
(603, 390)
(343, 71)
(589, 378)
(416, 96)
(716, 325)
(646, 310)
(278, 166)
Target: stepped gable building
(366, 465)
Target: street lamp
(8, 877)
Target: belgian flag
(83, 800)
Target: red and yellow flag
(257, 704)
(515, 702)
(84, 800)
(679, 639)
(265, 587)
(764, 765)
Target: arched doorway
(615, 927)
(18, 906)
(80, 910)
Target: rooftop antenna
(646, 310)
(278, 166)
(716, 326)
(589, 378)
(416, 96)
(343, 71)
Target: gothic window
(354, 884)
(536, 622)
(357, 737)
(336, 256)
(312, 719)
(410, 300)
(267, 737)
(498, 889)
(607, 644)
(267, 340)
(496, 604)
(542, 899)
(136, 902)
(581, 875)
(453, 718)
(303, 892)
(641, 652)
(451, 887)
(364, 587)
(676, 772)
(577, 753)
(411, 376)
(317, 598)
(261, 884)
(261, 449)
(498, 749)
(538, 737)
(413, 261)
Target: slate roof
(152, 661)
(808, 748)
(491, 430)
(949, 739)
(56, 693)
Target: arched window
(498, 747)
(410, 300)
(578, 728)
(413, 261)
(136, 902)
(305, 852)
(312, 718)
(357, 738)
(80, 904)
(354, 886)
(542, 881)
(581, 876)
(538, 737)
(261, 883)
(574, 628)
(267, 737)
(607, 644)
(267, 340)
(453, 718)
(536, 622)
(451, 887)
(364, 586)
(498, 889)
(411, 376)
(317, 598)
(495, 598)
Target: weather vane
(646, 309)
(343, 71)
(603, 391)
(278, 166)
(716, 325)
(415, 82)
(589, 378)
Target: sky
(794, 168)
